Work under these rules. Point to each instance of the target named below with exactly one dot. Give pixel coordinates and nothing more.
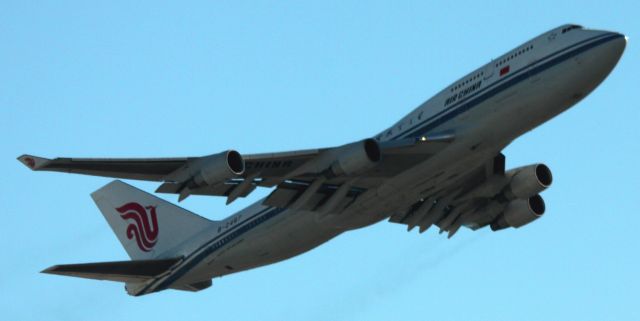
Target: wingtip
(50, 270)
(33, 162)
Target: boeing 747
(439, 167)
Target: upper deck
(513, 62)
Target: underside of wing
(487, 195)
(361, 165)
(149, 169)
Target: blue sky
(152, 79)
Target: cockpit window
(571, 27)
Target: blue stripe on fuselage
(503, 84)
(211, 246)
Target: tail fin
(147, 226)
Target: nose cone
(607, 53)
(617, 45)
(613, 49)
(597, 62)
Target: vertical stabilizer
(147, 226)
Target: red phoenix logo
(145, 232)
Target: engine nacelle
(520, 212)
(356, 157)
(217, 168)
(527, 181)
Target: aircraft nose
(609, 53)
(618, 44)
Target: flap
(455, 203)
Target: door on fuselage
(488, 72)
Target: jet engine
(356, 157)
(520, 212)
(527, 181)
(217, 168)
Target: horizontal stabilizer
(122, 271)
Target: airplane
(440, 166)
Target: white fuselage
(486, 110)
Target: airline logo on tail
(143, 224)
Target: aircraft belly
(292, 234)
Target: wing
(485, 195)
(148, 169)
(458, 203)
(291, 172)
(260, 170)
